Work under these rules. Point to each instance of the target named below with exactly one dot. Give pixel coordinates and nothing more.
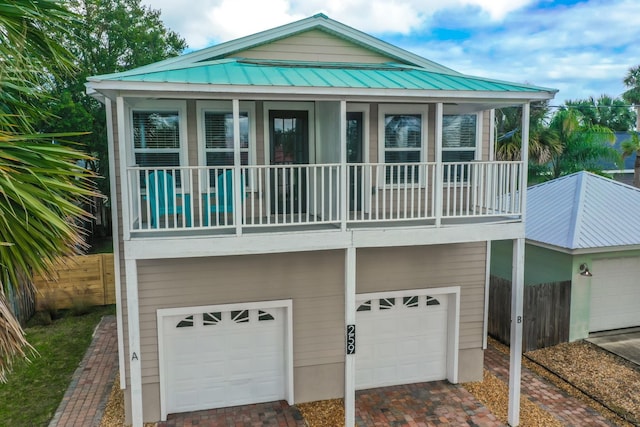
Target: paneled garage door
(615, 294)
(223, 358)
(401, 340)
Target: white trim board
(165, 312)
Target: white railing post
(439, 181)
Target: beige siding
(390, 269)
(314, 45)
(313, 280)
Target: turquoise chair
(224, 195)
(161, 192)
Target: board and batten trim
(166, 312)
(453, 319)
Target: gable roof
(215, 69)
(583, 211)
(315, 22)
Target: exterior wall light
(584, 270)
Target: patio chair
(224, 195)
(161, 191)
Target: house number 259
(351, 339)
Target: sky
(582, 48)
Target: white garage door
(401, 340)
(223, 358)
(615, 294)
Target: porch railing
(190, 198)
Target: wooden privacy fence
(545, 314)
(87, 279)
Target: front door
(289, 134)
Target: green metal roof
(312, 74)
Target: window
(156, 138)
(215, 137)
(218, 138)
(459, 144)
(403, 132)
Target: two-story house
(303, 213)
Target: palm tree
(543, 141)
(583, 144)
(42, 189)
(629, 147)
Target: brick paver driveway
(423, 404)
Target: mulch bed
(606, 378)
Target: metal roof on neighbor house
(583, 211)
(313, 74)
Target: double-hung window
(156, 138)
(402, 136)
(216, 136)
(459, 144)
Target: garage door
(615, 294)
(223, 358)
(401, 340)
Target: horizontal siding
(314, 281)
(391, 269)
(314, 45)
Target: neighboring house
(625, 173)
(273, 190)
(574, 223)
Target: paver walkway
(84, 402)
(567, 409)
(277, 414)
(437, 403)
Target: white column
(517, 302)
(524, 156)
(237, 159)
(344, 203)
(437, 204)
(123, 125)
(115, 227)
(350, 319)
(487, 280)
(135, 358)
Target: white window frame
(409, 109)
(248, 107)
(478, 147)
(160, 106)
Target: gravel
(494, 394)
(597, 374)
(323, 413)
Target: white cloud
(582, 49)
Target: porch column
(237, 172)
(524, 157)
(437, 203)
(344, 202)
(517, 302)
(350, 321)
(135, 358)
(124, 173)
(517, 284)
(115, 226)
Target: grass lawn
(34, 390)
